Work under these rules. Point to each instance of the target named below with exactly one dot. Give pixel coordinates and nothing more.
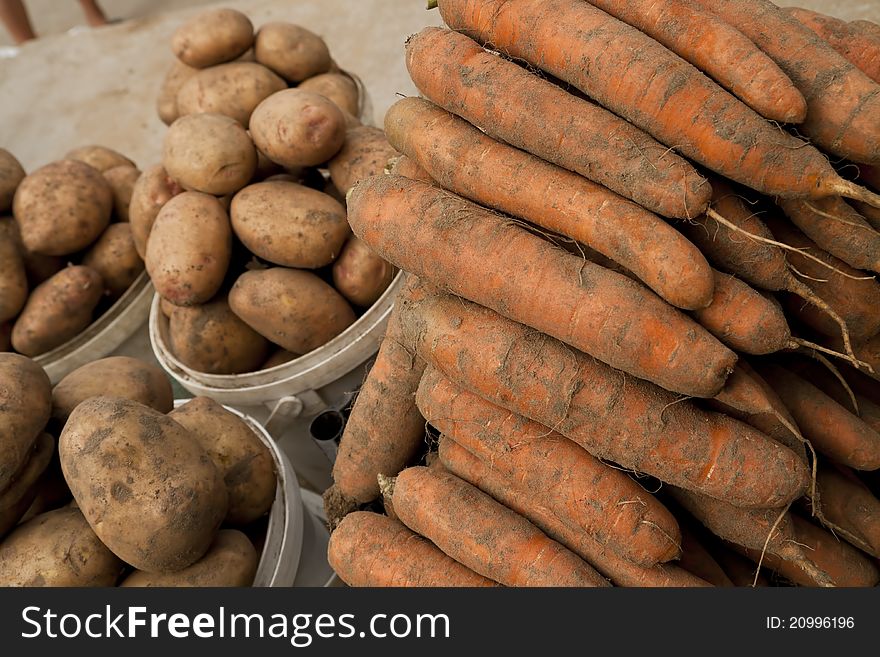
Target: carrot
(843, 104)
(384, 430)
(408, 168)
(640, 80)
(621, 572)
(849, 505)
(830, 427)
(697, 560)
(836, 227)
(484, 535)
(740, 570)
(468, 162)
(719, 50)
(612, 416)
(868, 213)
(857, 45)
(600, 500)
(516, 106)
(861, 383)
(463, 248)
(367, 549)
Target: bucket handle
(285, 409)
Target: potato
(99, 157)
(38, 267)
(62, 207)
(211, 338)
(365, 153)
(143, 482)
(25, 405)
(293, 52)
(231, 89)
(175, 77)
(298, 128)
(122, 180)
(360, 275)
(189, 249)
(5, 336)
(116, 376)
(231, 561)
(209, 153)
(11, 174)
(243, 460)
(114, 257)
(151, 191)
(289, 224)
(57, 310)
(13, 279)
(280, 357)
(57, 548)
(338, 87)
(213, 37)
(167, 307)
(266, 168)
(292, 308)
(17, 498)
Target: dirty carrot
(849, 505)
(697, 560)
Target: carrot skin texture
(484, 535)
(470, 163)
(409, 168)
(454, 72)
(367, 549)
(602, 501)
(843, 104)
(612, 416)
(719, 50)
(621, 572)
(669, 98)
(848, 503)
(443, 238)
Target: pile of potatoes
(243, 226)
(137, 493)
(67, 251)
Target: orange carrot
(640, 80)
(612, 416)
(857, 45)
(468, 162)
(697, 560)
(463, 248)
(408, 168)
(367, 549)
(484, 535)
(843, 104)
(530, 113)
(719, 50)
(740, 570)
(600, 500)
(849, 505)
(621, 572)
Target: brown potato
(146, 486)
(292, 51)
(5, 336)
(13, 279)
(292, 308)
(116, 376)
(211, 338)
(289, 224)
(57, 310)
(298, 128)
(25, 405)
(166, 307)
(360, 275)
(365, 153)
(151, 191)
(57, 548)
(189, 249)
(11, 174)
(99, 157)
(114, 257)
(175, 77)
(62, 207)
(122, 180)
(209, 153)
(338, 87)
(230, 561)
(243, 460)
(213, 37)
(231, 89)
(37, 267)
(17, 498)
(280, 357)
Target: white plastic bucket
(103, 336)
(285, 398)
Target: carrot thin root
(851, 190)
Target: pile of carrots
(639, 340)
